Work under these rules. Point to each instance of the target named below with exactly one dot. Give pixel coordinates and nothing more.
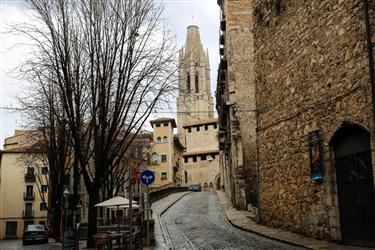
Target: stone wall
(201, 137)
(311, 73)
(202, 171)
(239, 54)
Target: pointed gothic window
(188, 82)
(196, 83)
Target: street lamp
(66, 194)
(77, 211)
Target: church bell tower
(194, 101)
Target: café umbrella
(115, 202)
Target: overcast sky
(178, 13)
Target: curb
(263, 235)
(164, 231)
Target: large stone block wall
(239, 52)
(202, 139)
(203, 171)
(311, 72)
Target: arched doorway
(217, 182)
(355, 184)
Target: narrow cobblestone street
(197, 221)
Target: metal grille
(356, 198)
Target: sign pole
(148, 217)
(147, 177)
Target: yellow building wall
(12, 188)
(163, 148)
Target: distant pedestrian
(211, 186)
(205, 186)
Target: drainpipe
(257, 218)
(370, 56)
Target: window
(196, 83)
(186, 159)
(166, 124)
(157, 125)
(194, 159)
(164, 175)
(158, 139)
(205, 127)
(189, 130)
(44, 188)
(165, 139)
(30, 170)
(213, 157)
(198, 128)
(42, 222)
(203, 157)
(29, 190)
(44, 170)
(163, 158)
(188, 82)
(43, 206)
(215, 126)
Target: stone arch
(351, 147)
(217, 182)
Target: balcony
(221, 51)
(223, 25)
(222, 40)
(28, 214)
(28, 196)
(29, 177)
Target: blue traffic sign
(147, 177)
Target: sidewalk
(158, 208)
(241, 219)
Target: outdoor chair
(100, 241)
(137, 238)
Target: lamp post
(65, 194)
(77, 212)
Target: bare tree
(108, 64)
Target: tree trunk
(92, 220)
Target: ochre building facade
(23, 187)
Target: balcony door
(28, 210)
(29, 190)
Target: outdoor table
(113, 236)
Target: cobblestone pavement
(197, 221)
(17, 245)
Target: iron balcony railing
(28, 196)
(30, 177)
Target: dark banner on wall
(316, 167)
